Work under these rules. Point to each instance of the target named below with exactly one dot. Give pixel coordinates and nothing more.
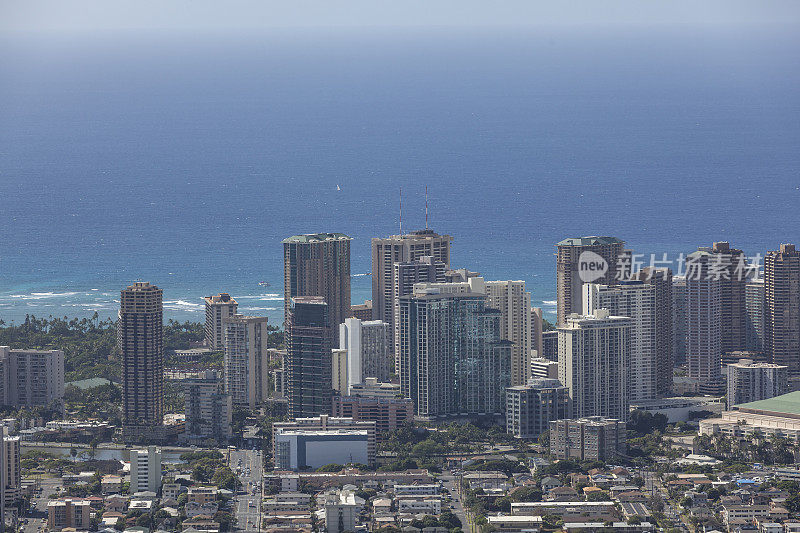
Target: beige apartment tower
(514, 303)
(218, 308)
(140, 338)
(569, 284)
(319, 265)
(401, 249)
(246, 360)
(782, 307)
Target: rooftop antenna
(426, 207)
(401, 210)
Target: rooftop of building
(591, 240)
(221, 298)
(786, 404)
(749, 363)
(417, 234)
(316, 237)
(143, 286)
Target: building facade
(31, 377)
(782, 307)
(320, 440)
(568, 263)
(318, 265)
(636, 300)
(452, 360)
(679, 319)
(218, 308)
(406, 275)
(750, 382)
(593, 359)
(754, 303)
(544, 368)
(307, 365)
(140, 338)
(145, 470)
(207, 408)
(401, 249)
(388, 414)
(703, 322)
(661, 280)
(530, 408)
(246, 360)
(588, 439)
(368, 346)
(514, 303)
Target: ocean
(184, 159)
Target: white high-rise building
(750, 382)
(637, 300)
(146, 470)
(246, 359)
(368, 345)
(593, 359)
(218, 308)
(31, 377)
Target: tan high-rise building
(140, 337)
(31, 377)
(782, 309)
(401, 249)
(733, 313)
(569, 284)
(246, 359)
(661, 280)
(218, 308)
(703, 322)
(514, 303)
(319, 265)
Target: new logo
(591, 266)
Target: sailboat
(338, 188)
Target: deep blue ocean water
(184, 159)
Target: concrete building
(218, 308)
(318, 265)
(145, 470)
(530, 408)
(544, 368)
(208, 409)
(140, 338)
(588, 439)
(10, 472)
(774, 416)
(679, 319)
(661, 281)
(368, 346)
(593, 360)
(308, 365)
(317, 441)
(362, 311)
(246, 360)
(388, 414)
(68, 513)
(402, 249)
(372, 388)
(732, 265)
(550, 345)
(704, 322)
(452, 360)
(514, 303)
(339, 378)
(782, 307)
(754, 304)
(749, 381)
(592, 254)
(537, 329)
(342, 510)
(406, 275)
(29, 378)
(636, 300)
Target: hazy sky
(103, 15)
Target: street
(247, 502)
(450, 482)
(34, 521)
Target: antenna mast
(426, 207)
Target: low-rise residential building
(388, 414)
(201, 495)
(72, 513)
(431, 506)
(591, 438)
(530, 408)
(564, 509)
(342, 509)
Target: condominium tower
(587, 254)
(246, 360)
(594, 355)
(308, 357)
(31, 377)
(749, 381)
(368, 347)
(782, 308)
(703, 322)
(401, 249)
(218, 308)
(754, 304)
(140, 338)
(318, 265)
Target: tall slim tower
(661, 280)
(754, 303)
(318, 265)
(514, 303)
(571, 253)
(401, 249)
(218, 308)
(782, 309)
(309, 386)
(703, 322)
(679, 319)
(733, 319)
(246, 360)
(140, 338)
